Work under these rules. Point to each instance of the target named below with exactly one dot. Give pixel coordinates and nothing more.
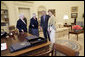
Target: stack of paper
(3, 46)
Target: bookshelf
(4, 20)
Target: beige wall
(62, 8)
(13, 10)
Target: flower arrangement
(76, 27)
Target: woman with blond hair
(51, 27)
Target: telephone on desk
(3, 34)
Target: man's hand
(33, 25)
(40, 28)
(22, 32)
(48, 30)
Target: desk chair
(65, 50)
(12, 29)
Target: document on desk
(3, 46)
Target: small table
(67, 25)
(76, 33)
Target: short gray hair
(20, 16)
(34, 14)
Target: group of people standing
(47, 24)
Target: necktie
(44, 17)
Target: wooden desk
(76, 33)
(30, 51)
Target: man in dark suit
(21, 24)
(44, 24)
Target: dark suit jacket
(34, 22)
(44, 24)
(21, 25)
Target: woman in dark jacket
(34, 25)
(21, 24)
